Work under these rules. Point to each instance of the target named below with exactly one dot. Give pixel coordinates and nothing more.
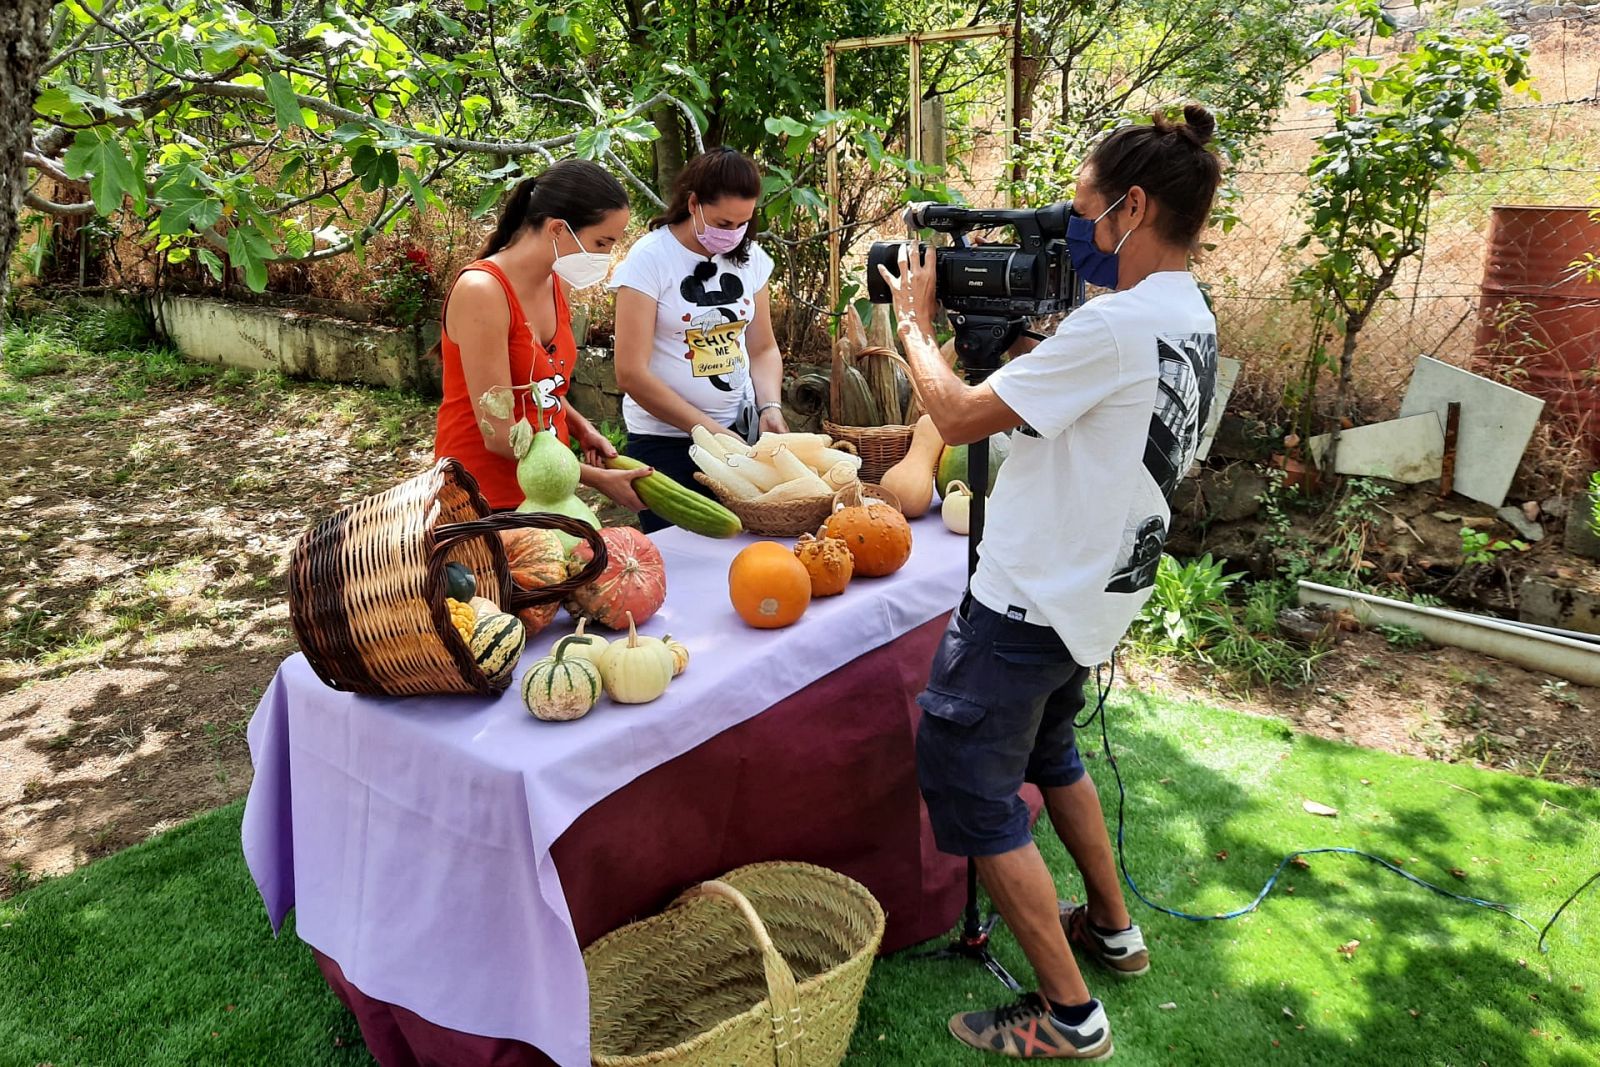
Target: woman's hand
(914, 295)
(617, 485)
(771, 421)
(597, 447)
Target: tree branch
(50, 207)
(638, 183)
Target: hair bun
(1200, 122)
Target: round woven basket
(880, 447)
(788, 518)
(367, 584)
(763, 966)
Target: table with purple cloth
(448, 857)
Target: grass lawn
(161, 954)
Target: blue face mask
(1093, 266)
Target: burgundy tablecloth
(826, 776)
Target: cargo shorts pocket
(952, 708)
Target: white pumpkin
(591, 647)
(957, 508)
(562, 686)
(636, 670)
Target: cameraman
(1109, 412)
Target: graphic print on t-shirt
(713, 341)
(1186, 381)
(713, 338)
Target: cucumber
(678, 505)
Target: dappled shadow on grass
(1335, 963)
(152, 504)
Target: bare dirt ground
(149, 507)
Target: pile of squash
(568, 683)
(494, 637)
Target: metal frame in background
(913, 42)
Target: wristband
(771, 405)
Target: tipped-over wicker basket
(763, 966)
(880, 447)
(367, 584)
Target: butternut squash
(912, 478)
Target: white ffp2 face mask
(583, 268)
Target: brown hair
(710, 176)
(1170, 162)
(576, 191)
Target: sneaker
(1123, 953)
(1027, 1030)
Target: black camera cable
(1122, 862)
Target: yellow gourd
(911, 480)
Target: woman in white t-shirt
(694, 339)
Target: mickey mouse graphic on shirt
(713, 344)
(546, 390)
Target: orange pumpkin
(827, 561)
(536, 559)
(876, 534)
(769, 587)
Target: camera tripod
(979, 344)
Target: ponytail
(576, 191)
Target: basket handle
(788, 1026)
(491, 525)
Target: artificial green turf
(161, 955)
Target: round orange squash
(769, 587)
(876, 534)
(829, 563)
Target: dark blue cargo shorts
(997, 712)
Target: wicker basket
(788, 518)
(366, 584)
(764, 966)
(880, 447)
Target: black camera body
(989, 291)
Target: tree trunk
(1341, 404)
(668, 148)
(24, 47)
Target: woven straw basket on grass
(764, 966)
(367, 584)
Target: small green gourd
(549, 473)
(560, 688)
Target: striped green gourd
(682, 507)
(560, 688)
(497, 644)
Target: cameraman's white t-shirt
(1113, 407)
(703, 308)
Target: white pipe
(1564, 657)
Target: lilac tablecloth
(413, 836)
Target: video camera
(989, 291)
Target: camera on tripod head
(990, 291)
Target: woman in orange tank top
(507, 326)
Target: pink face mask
(718, 241)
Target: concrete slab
(1496, 423)
(1227, 375)
(1547, 602)
(1407, 450)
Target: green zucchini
(678, 505)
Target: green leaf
(488, 199)
(389, 168)
(592, 143)
(298, 243)
(97, 155)
(212, 263)
(188, 207)
(788, 127)
(249, 250)
(280, 93)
